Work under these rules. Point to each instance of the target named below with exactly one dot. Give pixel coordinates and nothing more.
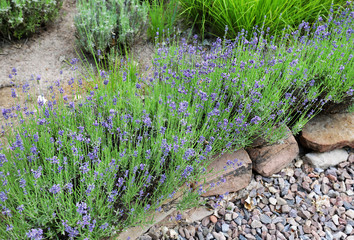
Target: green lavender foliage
(106, 26)
(19, 18)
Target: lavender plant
(102, 163)
(106, 26)
(20, 18)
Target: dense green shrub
(102, 28)
(246, 14)
(21, 17)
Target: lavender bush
(20, 18)
(90, 168)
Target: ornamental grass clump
(91, 167)
(212, 16)
(19, 18)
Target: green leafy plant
(162, 17)
(105, 27)
(274, 15)
(20, 18)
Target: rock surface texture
(327, 159)
(324, 133)
(238, 173)
(268, 160)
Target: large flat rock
(231, 172)
(327, 159)
(324, 133)
(270, 159)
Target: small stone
(200, 236)
(305, 214)
(173, 234)
(238, 220)
(213, 219)
(221, 212)
(350, 213)
(181, 232)
(285, 208)
(191, 230)
(265, 219)
(187, 233)
(272, 201)
(205, 221)
(331, 225)
(209, 236)
(329, 235)
(219, 236)
(272, 190)
(281, 201)
(278, 220)
(164, 230)
(348, 229)
(293, 213)
(218, 227)
(228, 217)
(298, 163)
(225, 227)
(256, 224)
(335, 219)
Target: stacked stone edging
(268, 160)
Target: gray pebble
(329, 235)
(348, 229)
(265, 219)
(278, 220)
(228, 217)
(256, 224)
(293, 213)
(238, 220)
(332, 194)
(225, 227)
(331, 225)
(200, 236)
(209, 236)
(348, 205)
(317, 189)
(241, 237)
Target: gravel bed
(300, 202)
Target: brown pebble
(313, 175)
(205, 221)
(213, 219)
(331, 177)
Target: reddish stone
(324, 133)
(268, 160)
(331, 177)
(213, 219)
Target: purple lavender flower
(20, 208)
(55, 189)
(3, 159)
(3, 196)
(81, 208)
(37, 173)
(35, 234)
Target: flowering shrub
(102, 163)
(21, 18)
(103, 26)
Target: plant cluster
(20, 18)
(104, 162)
(213, 16)
(108, 26)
